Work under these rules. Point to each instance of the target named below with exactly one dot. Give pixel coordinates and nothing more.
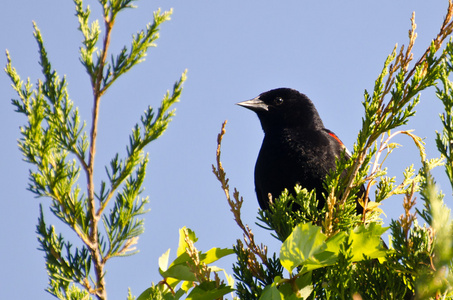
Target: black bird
(296, 149)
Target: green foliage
(190, 273)
(444, 140)
(288, 211)
(333, 253)
(438, 279)
(55, 141)
(327, 252)
(308, 249)
(253, 277)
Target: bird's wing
(338, 140)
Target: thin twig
(96, 254)
(444, 32)
(236, 203)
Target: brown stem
(445, 30)
(96, 254)
(236, 204)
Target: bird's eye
(278, 101)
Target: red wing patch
(337, 138)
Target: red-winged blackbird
(296, 149)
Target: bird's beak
(255, 104)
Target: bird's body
(293, 157)
(296, 148)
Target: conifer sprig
(57, 143)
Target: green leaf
(208, 291)
(146, 294)
(366, 240)
(308, 247)
(215, 254)
(186, 286)
(163, 260)
(327, 257)
(229, 278)
(304, 242)
(182, 259)
(182, 243)
(159, 293)
(178, 268)
(271, 292)
(305, 286)
(180, 272)
(300, 288)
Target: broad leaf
(182, 243)
(215, 254)
(327, 257)
(271, 292)
(303, 243)
(301, 288)
(163, 260)
(180, 272)
(366, 240)
(208, 291)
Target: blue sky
(233, 50)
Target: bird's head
(284, 108)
